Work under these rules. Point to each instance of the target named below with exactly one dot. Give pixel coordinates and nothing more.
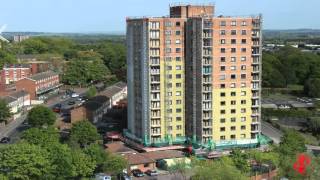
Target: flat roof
(119, 147)
(137, 158)
(42, 75)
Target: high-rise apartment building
(194, 76)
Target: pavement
(12, 126)
(270, 131)
(172, 176)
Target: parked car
(5, 140)
(102, 176)
(57, 108)
(71, 103)
(152, 173)
(74, 95)
(137, 173)
(124, 176)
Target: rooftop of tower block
(191, 10)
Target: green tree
(222, 169)
(312, 86)
(292, 143)
(92, 91)
(24, 161)
(40, 116)
(180, 168)
(83, 133)
(42, 137)
(240, 160)
(97, 153)
(83, 165)
(114, 164)
(5, 112)
(34, 46)
(314, 124)
(6, 58)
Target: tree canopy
(40, 116)
(83, 133)
(5, 111)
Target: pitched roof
(19, 94)
(120, 84)
(42, 75)
(166, 154)
(111, 91)
(135, 159)
(119, 147)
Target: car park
(71, 102)
(57, 108)
(124, 176)
(137, 173)
(74, 95)
(102, 176)
(151, 172)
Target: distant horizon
(61, 16)
(123, 32)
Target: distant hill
(292, 34)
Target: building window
(222, 103)
(179, 127)
(168, 50)
(243, 41)
(243, 110)
(222, 86)
(178, 110)
(233, 93)
(233, 50)
(223, 32)
(233, 41)
(168, 32)
(243, 32)
(223, 50)
(178, 85)
(222, 120)
(243, 102)
(167, 24)
(243, 93)
(178, 118)
(168, 59)
(243, 119)
(233, 119)
(177, 23)
(178, 93)
(178, 76)
(222, 41)
(243, 58)
(222, 111)
(233, 32)
(178, 67)
(222, 137)
(178, 50)
(233, 102)
(233, 85)
(243, 23)
(222, 23)
(222, 129)
(243, 127)
(243, 67)
(233, 76)
(243, 76)
(232, 128)
(223, 94)
(233, 136)
(178, 101)
(233, 68)
(178, 58)
(233, 23)
(178, 33)
(222, 77)
(243, 85)
(243, 50)
(178, 41)
(222, 59)
(233, 111)
(233, 59)
(243, 136)
(168, 41)
(222, 68)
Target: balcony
(155, 71)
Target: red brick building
(40, 85)
(12, 73)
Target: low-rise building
(140, 161)
(116, 92)
(40, 85)
(17, 101)
(20, 38)
(11, 73)
(93, 109)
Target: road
(14, 128)
(273, 133)
(162, 177)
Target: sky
(92, 16)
